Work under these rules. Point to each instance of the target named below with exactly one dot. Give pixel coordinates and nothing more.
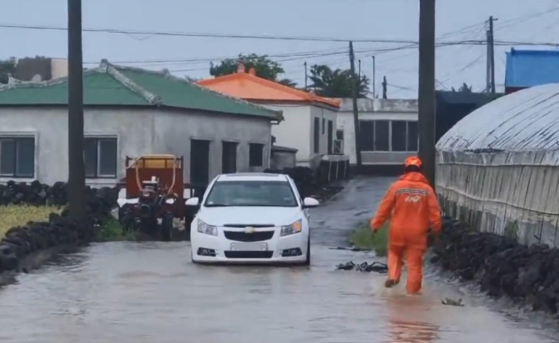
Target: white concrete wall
(174, 130)
(133, 129)
(139, 131)
(297, 130)
(324, 115)
(293, 131)
(345, 122)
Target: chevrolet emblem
(249, 229)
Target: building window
(323, 125)
(399, 135)
(367, 135)
(385, 135)
(17, 157)
(256, 155)
(316, 135)
(404, 136)
(374, 135)
(100, 155)
(382, 135)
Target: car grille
(248, 254)
(242, 226)
(241, 236)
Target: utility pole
(426, 122)
(306, 76)
(354, 85)
(76, 165)
(492, 49)
(384, 88)
(374, 77)
(359, 78)
(490, 77)
(488, 66)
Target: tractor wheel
(167, 227)
(187, 223)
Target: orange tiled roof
(248, 86)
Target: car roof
(252, 177)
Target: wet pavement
(150, 292)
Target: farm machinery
(154, 195)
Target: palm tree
(288, 82)
(336, 83)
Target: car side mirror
(192, 202)
(310, 203)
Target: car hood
(276, 216)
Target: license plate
(249, 246)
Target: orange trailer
(154, 192)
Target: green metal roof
(125, 86)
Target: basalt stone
(501, 265)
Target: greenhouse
(498, 168)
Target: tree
(336, 83)
(7, 68)
(463, 89)
(288, 82)
(264, 67)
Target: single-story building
(130, 112)
(309, 120)
(529, 68)
(388, 132)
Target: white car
(251, 218)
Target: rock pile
(501, 265)
(21, 241)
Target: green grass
(17, 215)
(363, 238)
(111, 231)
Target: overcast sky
(518, 20)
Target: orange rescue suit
(413, 207)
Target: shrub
(363, 238)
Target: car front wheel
(308, 260)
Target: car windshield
(251, 193)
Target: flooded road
(150, 292)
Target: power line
(409, 43)
(521, 19)
(208, 35)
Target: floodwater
(150, 292)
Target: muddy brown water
(150, 292)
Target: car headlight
(207, 229)
(292, 229)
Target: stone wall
(500, 265)
(22, 241)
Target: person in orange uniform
(412, 205)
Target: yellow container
(163, 161)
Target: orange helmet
(412, 161)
